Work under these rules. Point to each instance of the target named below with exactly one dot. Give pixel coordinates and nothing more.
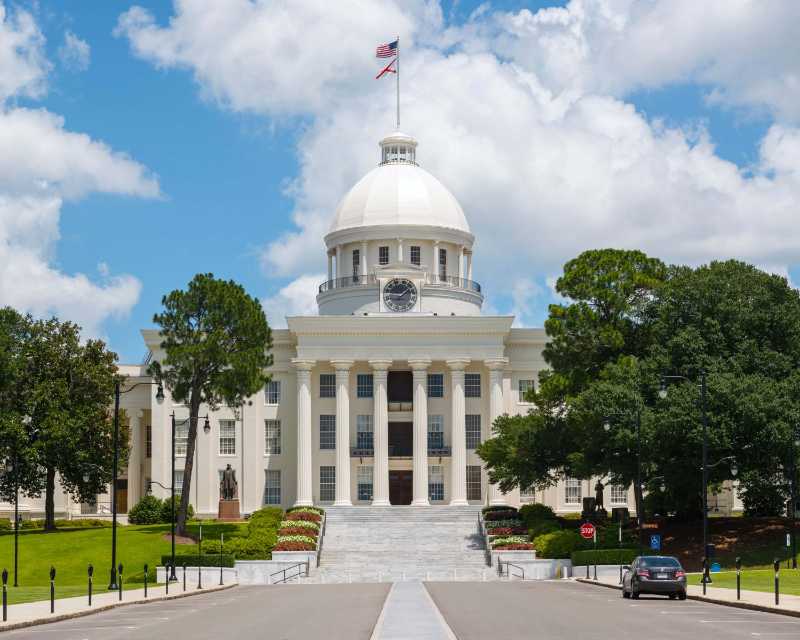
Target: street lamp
(112, 585)
(703, 395)
(791, 511)
(11, 468)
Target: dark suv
(654, 574)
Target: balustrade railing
(371, 279)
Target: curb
(735, 604)
(13, 626)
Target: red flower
(303, 515)
(294, 546)
(297, 531)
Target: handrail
(348, 281)
(289, 568)
(321, 538)
(500, 564)
(453, 281)
(371, 279)
(369, 452)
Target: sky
(143, 142)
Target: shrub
(5, 524)
(491, 516)
(146, 511)
(543, 526)
(302, 524)
(608, 537)
(296, 531)
(494, 524)
(166, 509)
(303, 515)
(294, 546)
(603, 556)
(193, 560)
(535, 512)
(558, 544)
(498, 508)
(317, 510)
(516, 546)
(506, 531)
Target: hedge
(193, 560)
(542, 527)
(603, 556)
(498, 508)
(558, 544)
(496, 524)
(89, 523)
(535, 513)
(492, 516)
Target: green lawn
(755, 580)
(71, 551)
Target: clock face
(399, 294)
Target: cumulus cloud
(74, 52)
(42, 165)
(298, 298)
(523, 116)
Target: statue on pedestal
(228, 487)
(598, 496)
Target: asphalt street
(563, 610)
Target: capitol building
(383, 397)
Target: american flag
(386, 50)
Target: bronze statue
(228, 487)
(598, 496)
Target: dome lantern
(398, 148)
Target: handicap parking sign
(655, 541)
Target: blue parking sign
(655, 542)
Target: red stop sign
(587, 530)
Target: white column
(339, 272)
(380, 471)
(134, 458)
(304, 495)
(495, 366)
(363, 258)
(469, 266)
(330, 266)
(399, 249)
(435, 265)
(420, 463)
(460, 273)
(342, 368)
(458, 444)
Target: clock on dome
(399, 294)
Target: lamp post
(112, 585)
(791, 512)
(11, 467)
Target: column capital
(342, 365)
(494, 364)
(419, 364)
(458, 364)
(301, 364)
(380, 364)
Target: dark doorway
(401, 439)
(122, 495)
(400, 487)
(400, 386)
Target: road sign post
(588, 532)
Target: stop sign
(587, 530)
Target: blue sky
(224, 163)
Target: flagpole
(398, 83)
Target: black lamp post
(792, 511)
(112, 585)
(11, 467)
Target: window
(415, 255)
(436, 385)
(272, 437)
(272, 392)
(383, 255)
(227, 438)
(327, 432)
(181, 436)
(435, 482)
(364, 479)
(473, 429)
(177, 480)
(527, 495)
(356, 263)
(327, 385)
(272, 487)
(619, 494)
(435, 432)
(327, 484)
(364, 431)
(473, 482)
(148, 441)
(443, 263)
(524, 387)
(472, 385)
(572, 491)
(364, 385)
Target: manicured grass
(70, 552)
(755, 580)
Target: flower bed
(505, 531)
(288, 545)
(301, 516)
(310, 527)
(500, 542)
(296, 531)
(300, 529)
(517, 546)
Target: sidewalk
(33, 613)
(755, 600)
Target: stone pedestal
(229, 510)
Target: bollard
(119, 580)
(620, 574)
(738, 578)
(705, 573)
(200, 558)
(90, 571)
(184, 576)
(5, 595)
(777, 566)
(166, 576)
(587, 569)
(52, 589)
(145, 579)
(221, 542)
(595, 568)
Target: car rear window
(659, 561)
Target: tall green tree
(217, 346)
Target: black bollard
(184, 576)
(52, 589)
(221, 542)
(777, 566)
(166, 576)
(5, 595)
(145, 579)
(738, 578)
(587, 569)
(704, 579)
(620, 574)
(91, 573)
(119, 582)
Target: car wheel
(634, 594)
(672, 596)
(625, 594)
(682, 595)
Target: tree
(217, 341)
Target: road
(557, 610)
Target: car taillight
(679, 574)
(644, 573)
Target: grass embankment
(71, 552)
(755, 580)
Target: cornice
(392, 232)
(400, 325)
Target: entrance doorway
(400, 487)
(401, 439)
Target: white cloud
(298, 298)
(23, 66)
(524, 293)
(74, 53)
(523, 117)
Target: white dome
(399, 193)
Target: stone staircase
(399, 543)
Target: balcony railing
(401, 406)
(369, 280)
(399, 452)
